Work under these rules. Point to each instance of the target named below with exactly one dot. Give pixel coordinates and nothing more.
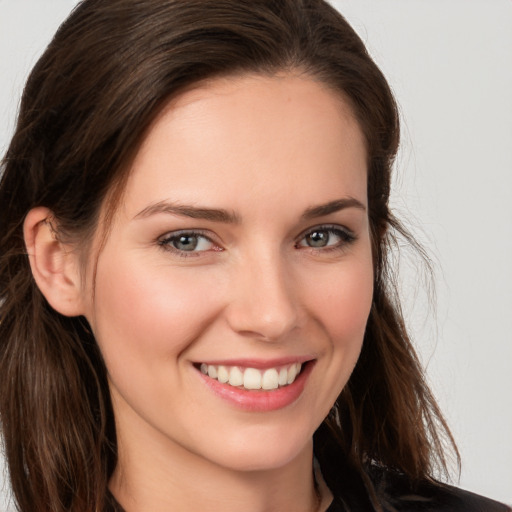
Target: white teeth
(236, 377)
(283, 377)
(252, 378)
(270, 379)
(222, 374)
(292, 372)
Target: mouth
(257, 386)
(253, 379)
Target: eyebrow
(225, 216)
(332, 207)
(212, 214)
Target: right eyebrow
(333, 207)
(194, 212)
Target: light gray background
(450, 65)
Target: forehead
(267, 136)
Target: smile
(257, 386)
(253, 378)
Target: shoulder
(397, 493)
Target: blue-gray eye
(187, 242)
(318, 238)
(325, 237)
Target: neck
(157, 476)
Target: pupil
(186, 243)
(317, 239)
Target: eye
(326, 237)
(187, 242)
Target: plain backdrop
(450, 65)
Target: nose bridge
(263, 303)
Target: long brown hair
(85, 109)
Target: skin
(266, 150)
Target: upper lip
(258, 363)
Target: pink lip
(260, 400)
(259, 364)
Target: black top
(395, 493)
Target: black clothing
(395, 493)
(359, 490)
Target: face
(232, 293)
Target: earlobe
(54, 264)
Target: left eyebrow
(182, 210)
(332, 207)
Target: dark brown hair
(85, 109)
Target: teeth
(222, 374)
(252, 378)
(270, 379)
(283, 377)
(292, 372)
(212, 371)
(236, 377)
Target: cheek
(342, 304)
(339, 305)
(148, 312)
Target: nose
(263, 304)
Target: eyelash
(346, 238)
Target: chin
(266, 450)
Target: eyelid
(326, 227)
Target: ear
(54, 265)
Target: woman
(195, 292)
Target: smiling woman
(250, 299)
(196, 308)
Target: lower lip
(260, 400)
